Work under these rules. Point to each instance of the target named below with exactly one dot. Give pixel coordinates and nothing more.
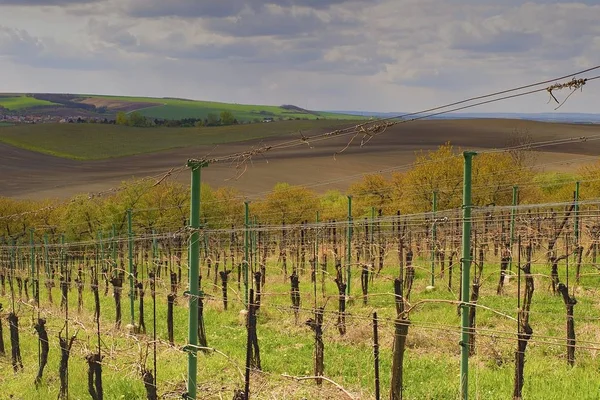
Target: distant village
(23, 118)
(53, 119)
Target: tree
(494, 174)
(212, 120)
(227, 118)
(137, 119)
(122, 118)
(292, 204)
(372, 191)
(441, 171)
(334, 205)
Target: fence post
(114, 250)
(349, 248)
(246, 262)
(193, 290)
(515, 200)
(576, 213)
(46, 258)
(130, 250)
(33, 277)
(433, 239)
(466, 266)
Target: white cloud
(388, 55)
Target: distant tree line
(138, 120)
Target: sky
(366, 55)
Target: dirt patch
(31, 175)
(118, 105)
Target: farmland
(287, 345)
(182, 108)
(30, 174)
(161, 108)
(301, 252)
(22, 102)
(100, 141)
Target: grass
(100, 141)
(17, 103)
(178, 109)
(431, 359)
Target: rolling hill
(96, 158)
(103, 106)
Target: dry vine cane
(13, 322)
(95, 376)
(40, 328)
(295, 294)
(400, 332)
(316, 325)
(524, 329)
(474, 298)
(341, 321)
(63, 370)
(2, 351)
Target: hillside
(101, 106)
(28, 174)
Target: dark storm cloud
(267, 24)
(217, 9)
(500, 42)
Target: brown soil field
(27, 174)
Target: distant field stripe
(102, 141)
(22, 102)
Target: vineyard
(411, 289)
(357, 308)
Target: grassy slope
(22, 102)
(98, 141)
(431, 360)
(177, 109)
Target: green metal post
(349, 248)
(46, 258)
(318, 220)
(255, 243)
(154, 252)
(515, 200)
(130, 249)
(433, 239)
(576, 209)
(100, 262)
(466, 277)
(33, 277)
(114, 247)
(372, 226)
(194, 273)
(246, 249)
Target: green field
(100, 141)
(15, 103)
(431, 362)
(174, 109)
(178, 109)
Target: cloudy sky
(379, 55)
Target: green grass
(5, 124)
(431, 367)
(100, 141)
(14, 103)
(178, 109)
